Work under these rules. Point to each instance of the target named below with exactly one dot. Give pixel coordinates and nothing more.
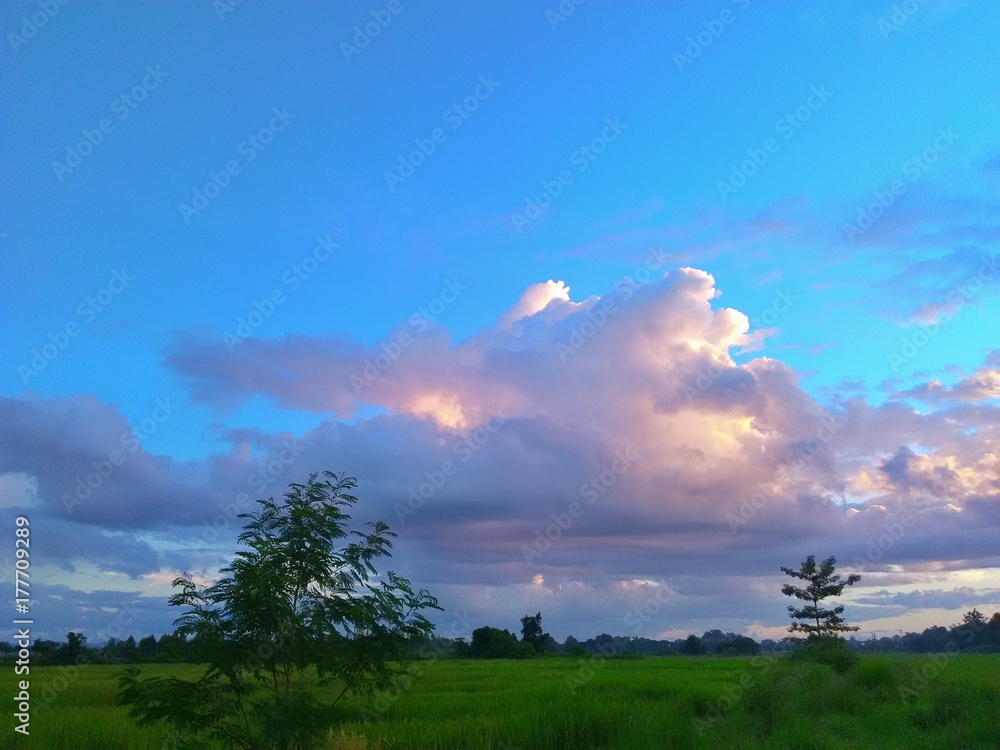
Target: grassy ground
(891, 702)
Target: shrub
(875, 674)
(832, 652)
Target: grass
(883, 702)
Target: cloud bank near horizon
(577, 457)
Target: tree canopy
(300, 606)
(823, 582)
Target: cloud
(99, 614)
(535, 299)
(925, 257)
(646, 366)
(959, 598)
(982, 385)
(83, 457)
(591, 443)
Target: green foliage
(532, 633)
(974, 618)
(832, 652)
(298, 610)
(692, 646)
(823, 582)
(651, 703)
(72, 650)
(876, 674)
(741, 645)
(493, 643)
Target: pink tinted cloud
(682, 461)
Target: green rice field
(884, 702)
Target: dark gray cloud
(964, 597)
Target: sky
(612, 311)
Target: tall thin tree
(823, 582)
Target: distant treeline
(168, 648)
(975, 634)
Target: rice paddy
(884, 702)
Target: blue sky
(640, 117)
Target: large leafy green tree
(73, 649)
(692, 646)
(822, 582)
(532, 633)
(299, 619)
(493, 643)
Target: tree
(824, 582)
(993, 631)
(974, 619)
(299, 608)
(147, 648)
(712, 638)
(171, 648)
(972, 630)
(128, 649)
(692, 646)
(531, 632)
(70, 651)
(493, 643)
(43, 652)
(740, 645)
